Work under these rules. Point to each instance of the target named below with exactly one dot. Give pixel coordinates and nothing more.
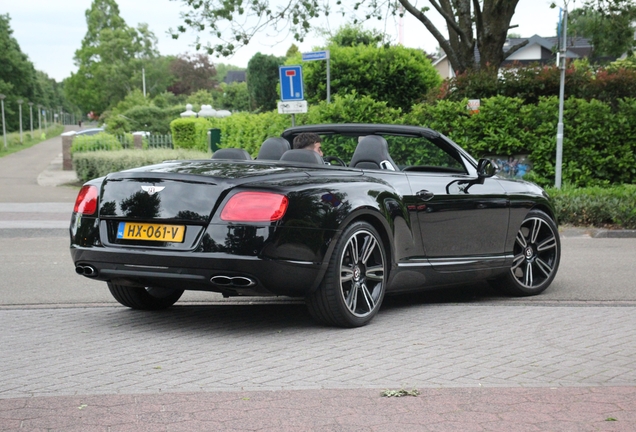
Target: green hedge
(90, 165)
(530, 83)
(190, 133)
(598, 148)
(248, 131)
(100, 141)
(596, 206)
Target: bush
(91, 165)
(596, 206)
(190, 133)
(531, 83)
(397, 75)
(248, 131)
(148, 118)
(90, 143)
(598, 147)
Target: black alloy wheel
(144, 298)
(536, 257)
(353, 288)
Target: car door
(463, 222)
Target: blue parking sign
(291, 83)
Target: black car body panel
(439, 224)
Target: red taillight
(255, 207)
(86, 202)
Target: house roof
(577, 46)
(234, 76)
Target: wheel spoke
(367, 248)
(352, 298)
(544, 267)
(521, 240)
(367, 297)
(536, 228)
(353, 250)
(528, 279)
(517, 260)
(546, 244)
(375, 273)
(346, 274)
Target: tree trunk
(492, 25)
(490, 18)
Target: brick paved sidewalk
(486, 367)
(478, 409)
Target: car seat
(372, 152)
(303, 156)
(231, 153)
(273, 148)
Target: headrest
(273, 148)
(231, 153)
(372, 152)
(303, 156)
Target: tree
(192, 72)
(233, 97)
(110, 59)
(262, 79)
(292, 50)
(353, 35)
(609, 29)
(396, 75)
(470, 23)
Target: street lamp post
(4, 129)
(40, 118)
(559, 138)
(31, 117)
(20, 101)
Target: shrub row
(531, 83)
(598, 147)
(100, 141)
(596, 206)
(90, 165)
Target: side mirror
(486, 168)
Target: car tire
(536, 257)
(352, 290)
(144, 298)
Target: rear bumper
(233, 275)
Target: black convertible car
(410, 210)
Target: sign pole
(321, 55)
(328, 80)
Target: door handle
(425, 195)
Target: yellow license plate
(148, 231)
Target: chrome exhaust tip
(233, 281)
(86, 270)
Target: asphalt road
(36, 269)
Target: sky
(50, 31)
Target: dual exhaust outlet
(233, 281)
(86, 270)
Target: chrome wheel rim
(535, 253)
(362, 273)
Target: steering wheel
(334, 158)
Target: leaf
(400, 393)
